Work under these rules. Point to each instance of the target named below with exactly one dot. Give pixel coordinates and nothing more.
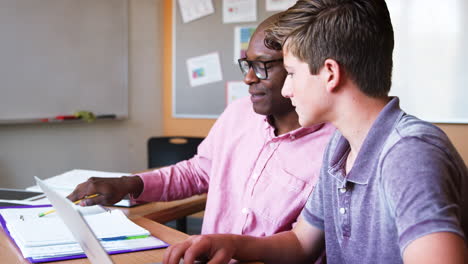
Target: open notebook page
(28, 229)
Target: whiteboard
(62, 56)
(430, 72)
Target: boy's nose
(286, 91)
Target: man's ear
(332, 75)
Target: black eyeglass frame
(249, 62)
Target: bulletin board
(430, 59)
(62, 56)
(200, 37)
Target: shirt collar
(294, 134)
(365, 166)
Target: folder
(43, 239)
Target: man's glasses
(260, 67)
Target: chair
(165, 151)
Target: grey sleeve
(422, 188)
(313, 210)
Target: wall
(458, 136)
(49, 149)
(201, 127)
(176, 126)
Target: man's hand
(217, 248)
(110, 190)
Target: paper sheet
(70, 179)
(66, 182)
(235, 11)
(242, 35)
(279, 5)
(31, 230)
(191, 10)
(236, 90)
(49, 237)
(204, 69)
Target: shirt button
(272, 144)
(343, 190)
(255, 175)
(245, 210)
(293, 137)
(342, 210)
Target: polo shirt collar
(365, 165)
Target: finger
(86, 189)
(200, 248)
(167, 254)
(79, 192)
(220, 257)
(100, 199)
(72, 196)
(177, 251)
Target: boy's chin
(305, 122)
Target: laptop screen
(77, 225)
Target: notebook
(58, 236)
(78, 226)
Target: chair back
(164, 151)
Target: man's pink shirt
(257, 183)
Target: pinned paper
(242, 37)
(235, 11)
(236, 90)
(191, 10)
(204, 69)
(279, 5)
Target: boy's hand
(110, 190)
(215, 248)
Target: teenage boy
(255, 185)
(392, 188)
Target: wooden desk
(163, 212)
(10, 254)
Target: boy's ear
(332, 72)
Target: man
(255, 186)
(392, 188)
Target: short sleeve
(422, 188)
(313, 210)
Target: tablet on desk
(17, 194)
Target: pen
(75, 202)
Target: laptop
(77, 225)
